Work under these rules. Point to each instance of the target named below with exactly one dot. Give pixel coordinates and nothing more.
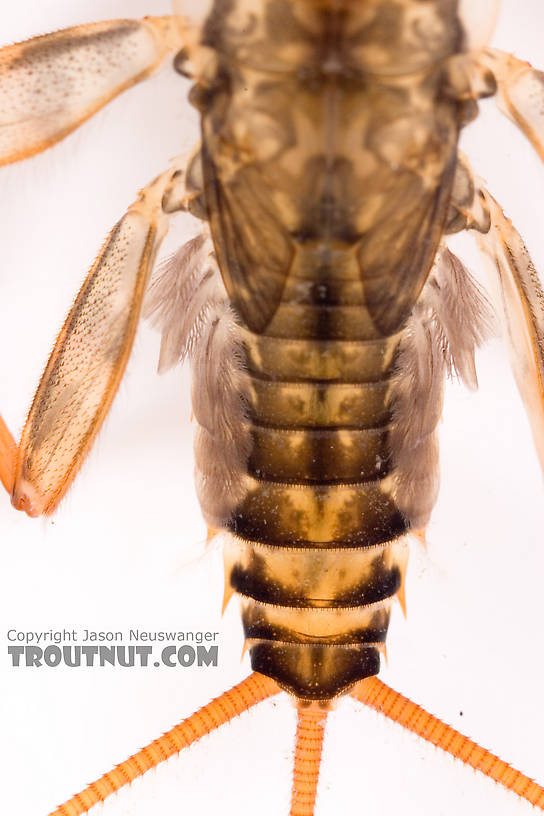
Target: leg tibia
(90, 355)
(520, 94)
(50, 85)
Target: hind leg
(91, 352)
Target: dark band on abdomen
(316, 551)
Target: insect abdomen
(314, 553)
(325, 220)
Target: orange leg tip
(8, 455)
(400, 709)
(25, 497)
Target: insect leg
(89, 357)
(520, 94)
(400, 709)
(8, 452)
(254, 689)
(519, 293)
(521, 301)
(50, 85)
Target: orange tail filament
(401, 710)
(308, 748)
(246, 694)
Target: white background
(124, 550)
